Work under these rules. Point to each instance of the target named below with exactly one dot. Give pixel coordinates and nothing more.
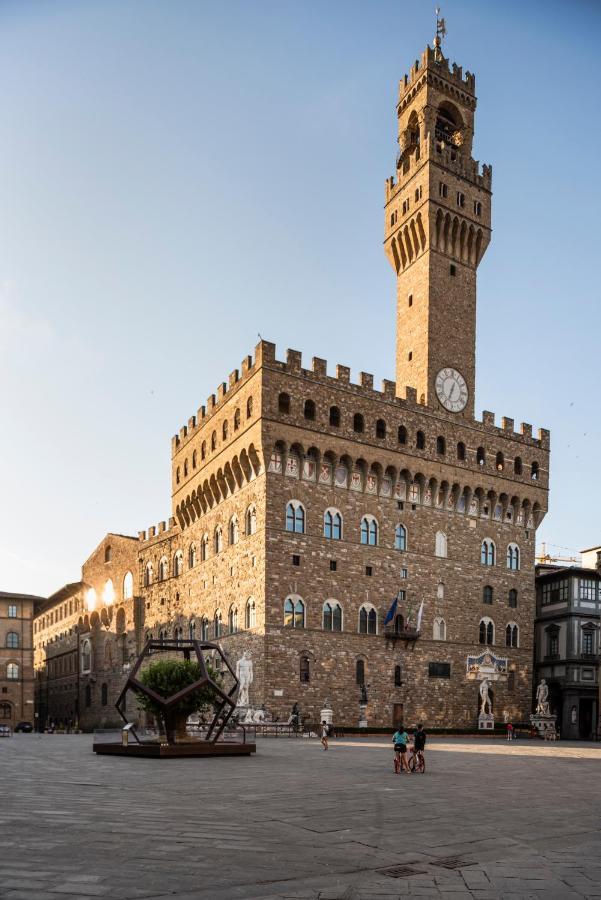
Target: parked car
(25, 727)
(5, 731)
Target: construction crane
(545, 558)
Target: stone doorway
(397, 714)
(585, 718)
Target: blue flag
(392, 611)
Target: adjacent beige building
(17, 613)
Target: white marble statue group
(245, 675)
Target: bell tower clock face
(451, 390)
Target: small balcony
(403, 633)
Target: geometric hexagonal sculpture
(223, 707)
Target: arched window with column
(233, 530)
(218, 539)
(178, 563)
(163, 568)
(488, 552)
(368, 619)
(439, 629)
(369, 531)
(295, 517)
(250, 613)
(513, 557)
(192, 555)
(204, 547)
(251, 520)
(148, 575)
(232, 619)
(400, 537)
(487, 594)
(486, 631)
(294, 612)
(332, 524)
(332, 616)
(512, 635)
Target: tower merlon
(429, 65)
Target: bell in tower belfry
(437, 227)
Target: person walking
(509, 731)
(400, 739)
(324, 734)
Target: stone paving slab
(294, 822)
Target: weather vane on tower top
(441, 32)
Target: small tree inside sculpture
(168, 677)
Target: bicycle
(417, 763)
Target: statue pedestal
(546, 726)
(362, 715)
(486, 722)
(326, 715)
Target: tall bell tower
(437, 227)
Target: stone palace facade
(304, 502)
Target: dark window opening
(284, 403)
(360, 671)
(420, 440)
(358, 423)
(334, 417)
(402, 436)
(381, 429)
(305, 670)
(439, 670)
(310, 410)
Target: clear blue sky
(179, 176)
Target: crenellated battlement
(453, 74)
(364, 387)
(215, 401)
(162, 530)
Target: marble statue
(244, 674)
(542, 699)
(485, 698)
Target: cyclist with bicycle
(418, 760)
(400, 740)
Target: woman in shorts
(399, 740)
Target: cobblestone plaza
(488, 820)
